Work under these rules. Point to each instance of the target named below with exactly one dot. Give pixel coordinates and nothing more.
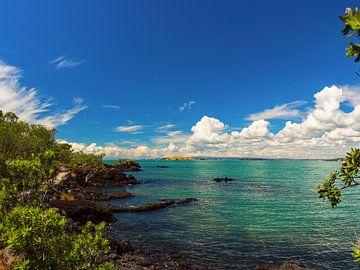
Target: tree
(349, 173)
(38, 237)
(352, 28)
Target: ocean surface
(270, 213)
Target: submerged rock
(290, 265)
(223, 179)
(150, 206)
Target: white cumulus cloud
(324, 131)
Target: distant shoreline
(233, 158)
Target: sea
(270, 212)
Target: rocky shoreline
(75, 195)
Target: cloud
(59, 119)
(285, 111)
(134, 129)
(324, 131)
(187, 106)
(208, 130)
(176, 136)
(26, 103)
(113, 151)
(164, 128)
(352, 95)
(63, 62)
(111, 106)
(257, 130)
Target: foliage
(344, 178)
(40, 239)
(27, 181)
(87, 160)
(88, 247)
(352, 28)
(20, 140)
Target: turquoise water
(272, 212)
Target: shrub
(87, 160)
(27, 181)
(41, 240)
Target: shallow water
(272, 212)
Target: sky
(147, 79)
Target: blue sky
(153, 63)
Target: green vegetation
(348, 174)
(345, 177)
(352, 28)
(38, 236)
(87, 160)
(179, 158)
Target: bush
(87, 160)
(27, 181)
(41, 240)
(20, 140)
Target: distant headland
(179, 158)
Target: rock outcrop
(128, 165)
(105, 176)
(82, 211)
(223, 179)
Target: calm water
(271, 213)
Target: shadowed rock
(82, 210)
(127, 165)
(97, 196)
(105, 176)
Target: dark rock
(162, 166)
(105, 176)
(82, 211)
(224, 179)
(120, 246)
(127, 165)
(109, 196)
(150, 206)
